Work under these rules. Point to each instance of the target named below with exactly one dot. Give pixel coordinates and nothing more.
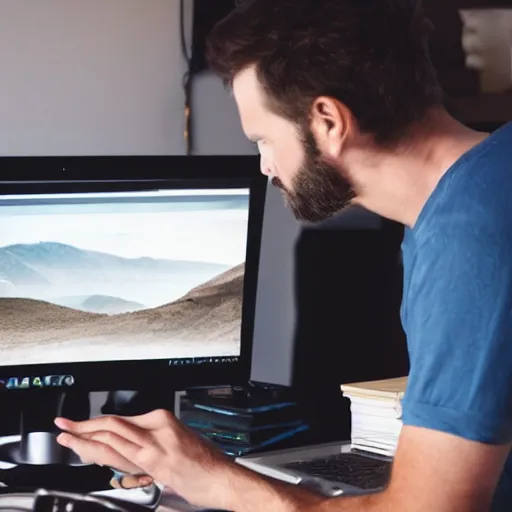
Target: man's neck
(397, 184)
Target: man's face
(313, 189)
(318, 189)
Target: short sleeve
(459, 330)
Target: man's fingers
(131, 481)
(115, 424)
(103, 448)
(150, 421)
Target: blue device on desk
(125, 274)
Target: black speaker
(206, 15)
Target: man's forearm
(251, 492)
(367, 503)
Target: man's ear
(330, 123)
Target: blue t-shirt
(457, 303)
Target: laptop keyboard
(348, 468)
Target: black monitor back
(349, 289)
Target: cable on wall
(187, 83)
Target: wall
(90, 77)
(104, 77)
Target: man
(342, 101)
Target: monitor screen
(122, 275)
(107, 284)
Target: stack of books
(376, 413)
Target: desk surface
(172, 503)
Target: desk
(174, 504)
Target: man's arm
(432, 471)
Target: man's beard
(318, 190)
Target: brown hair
(371, 55)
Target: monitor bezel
(39, 175)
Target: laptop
(332, 469)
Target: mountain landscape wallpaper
(121, 277)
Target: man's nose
(265, 169)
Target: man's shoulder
(474, 198)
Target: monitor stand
(38, 444)
(37, 460)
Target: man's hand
(156, 444)
(159, 445)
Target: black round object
(42, 500)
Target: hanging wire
(187, 83)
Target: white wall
(104, 77)
(90, 77)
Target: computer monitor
(124, 273)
